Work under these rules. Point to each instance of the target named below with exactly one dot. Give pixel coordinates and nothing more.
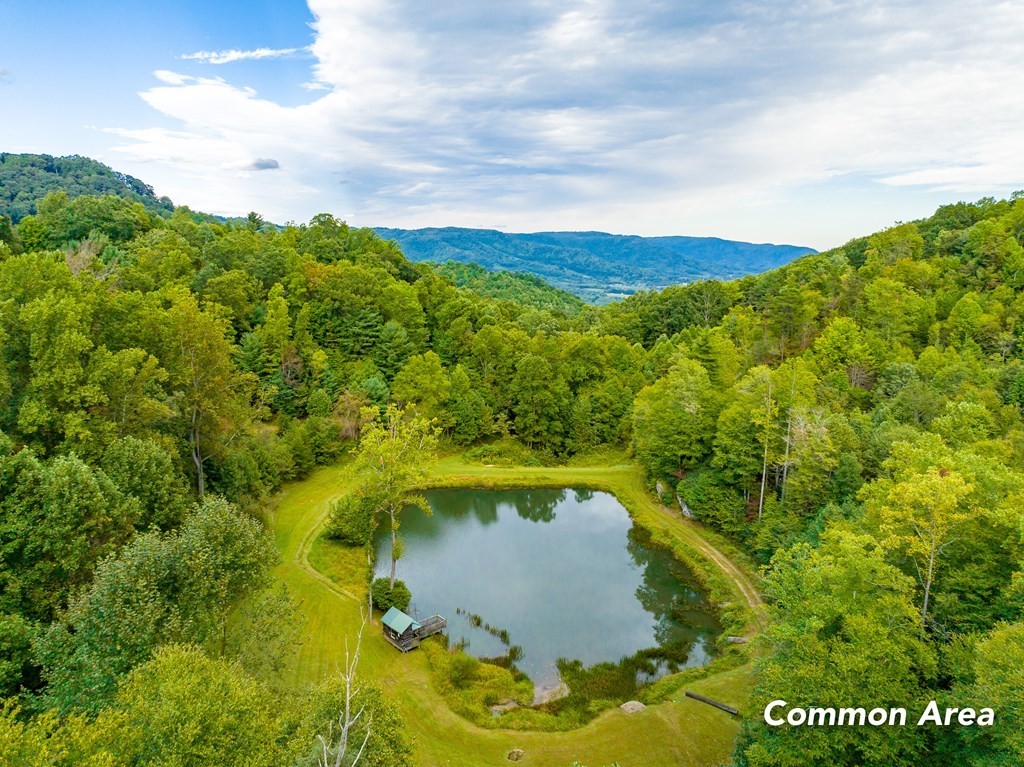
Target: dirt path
(302, 554)
(740, 579)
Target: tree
(236, 291)
(470, 418)
(48, 740)
(344, 722)
(920, 518)
(7, 236)
(276, 330)
(141, 468)
(920, 513)
(812, 456)
(161, 588)
(57, 520)
(423, 383)
(842, 633)
(764, 418)
(844, 347)
(213, 395)
(542, 401)
(893, 309)
(394, 449)
(335, 748)
(673, 420)
(393, 349)
(58, 395)
(996, 682)
(15, 652)
(353, 519)
(183, 709)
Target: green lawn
(329, 581)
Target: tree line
(853, 420)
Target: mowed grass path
(328, 580)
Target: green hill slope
(26, 178)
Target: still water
(564, 572)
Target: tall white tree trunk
(394, 550)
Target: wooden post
(715, 703)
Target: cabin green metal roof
(398, 621)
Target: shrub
(463, 670)
(384, 597)
(505, 452)
(352, 520)
(713, 502)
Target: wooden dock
(405, 634)
(435, 624)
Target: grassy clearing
(329, 581)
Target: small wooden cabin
(405, 633)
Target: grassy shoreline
(329, 581)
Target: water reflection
(538, 505)
(564, 572)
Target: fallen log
(715, 703)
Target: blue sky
(805, 122)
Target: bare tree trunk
(927, 589)
(346, 719)
(767, 437)
(764, 478)
(198, 460)
(394, 551)
(785, 460)
(369, 592)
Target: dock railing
(432, 625)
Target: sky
(805, 122)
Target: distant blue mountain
(595, 266)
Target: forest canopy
(852, 420)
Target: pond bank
(675, 732)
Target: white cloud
(172, 78)
(653, 118)
(233, 55)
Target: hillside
(595, 266)
(852, 420)
(26, 178)
(525, 289)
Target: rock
(542, 695)
(516, 754)
(501, 708)
(632, 706)
(684, 508)
(737, 640)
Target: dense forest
(525, 289)
(26, 178)
(852, 420)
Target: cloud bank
(637, 117)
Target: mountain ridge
(596, 266)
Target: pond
(564, 572)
